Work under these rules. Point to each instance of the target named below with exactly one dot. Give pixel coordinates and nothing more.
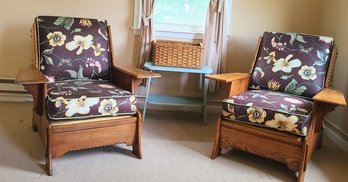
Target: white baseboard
(8, 85)
(15, 97)
(11, 92)
(210, 108)
(336, 135)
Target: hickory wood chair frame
(293, 150)
(87, 133)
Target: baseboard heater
(8, 85)
(11, 92)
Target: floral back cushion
(73, 48)
(292, 63)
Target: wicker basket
(177, 54)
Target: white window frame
(173, 31)
(136, 17)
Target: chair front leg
(125, 81)
(319, 112)
(238, 86)
(217, 148)
(49, 152)
(137, 143)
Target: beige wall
(334, 22)
(16, 17)
(250, 18)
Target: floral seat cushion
(292, 63)
(76, 99)
(270, 109)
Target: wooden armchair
(81, 100)
(277, 110)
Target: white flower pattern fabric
(83, 43)
(270, 109)
(56, 38)
(97, 49)
(73, 48)
(283, 123)
(81, 105)
(77, 99)
(270, 57)
(291, 62)
(286, 64)
(256, 115)
(108, 107)
(308, 73)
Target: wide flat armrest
(228, 77)
(330, 95)
(136, 73)
(30, 75)
(237, 82)
(130, 78)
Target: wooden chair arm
(324, 102)
(130, 78)
(237, 82)
(136, 73)
(331, 96)
(228, 77)
(30, 75)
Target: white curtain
(146, 32)
(215, 38)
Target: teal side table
(177, 100)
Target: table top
(204, 70)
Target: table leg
(148, 84)
(204, 108)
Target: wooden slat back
(330, 70)
(35, 55)
(259, 42)
(112, 53)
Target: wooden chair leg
(49, 164)
(301, 175)
(137, 144)
(137, 150)
(302, 170)
(320, 140)
(33, 125)
(217, 149)
(48, 152)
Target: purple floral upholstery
(77, 99)
(73, 48)
(265, 108)
(74, 55)
(292, 63)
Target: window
(183, 19)
(177, 19)
(181, 16)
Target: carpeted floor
(176, 147)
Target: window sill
(178, 35)
(173, 34)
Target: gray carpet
(176, 147)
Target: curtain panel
(215, 38)
(146, 32)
